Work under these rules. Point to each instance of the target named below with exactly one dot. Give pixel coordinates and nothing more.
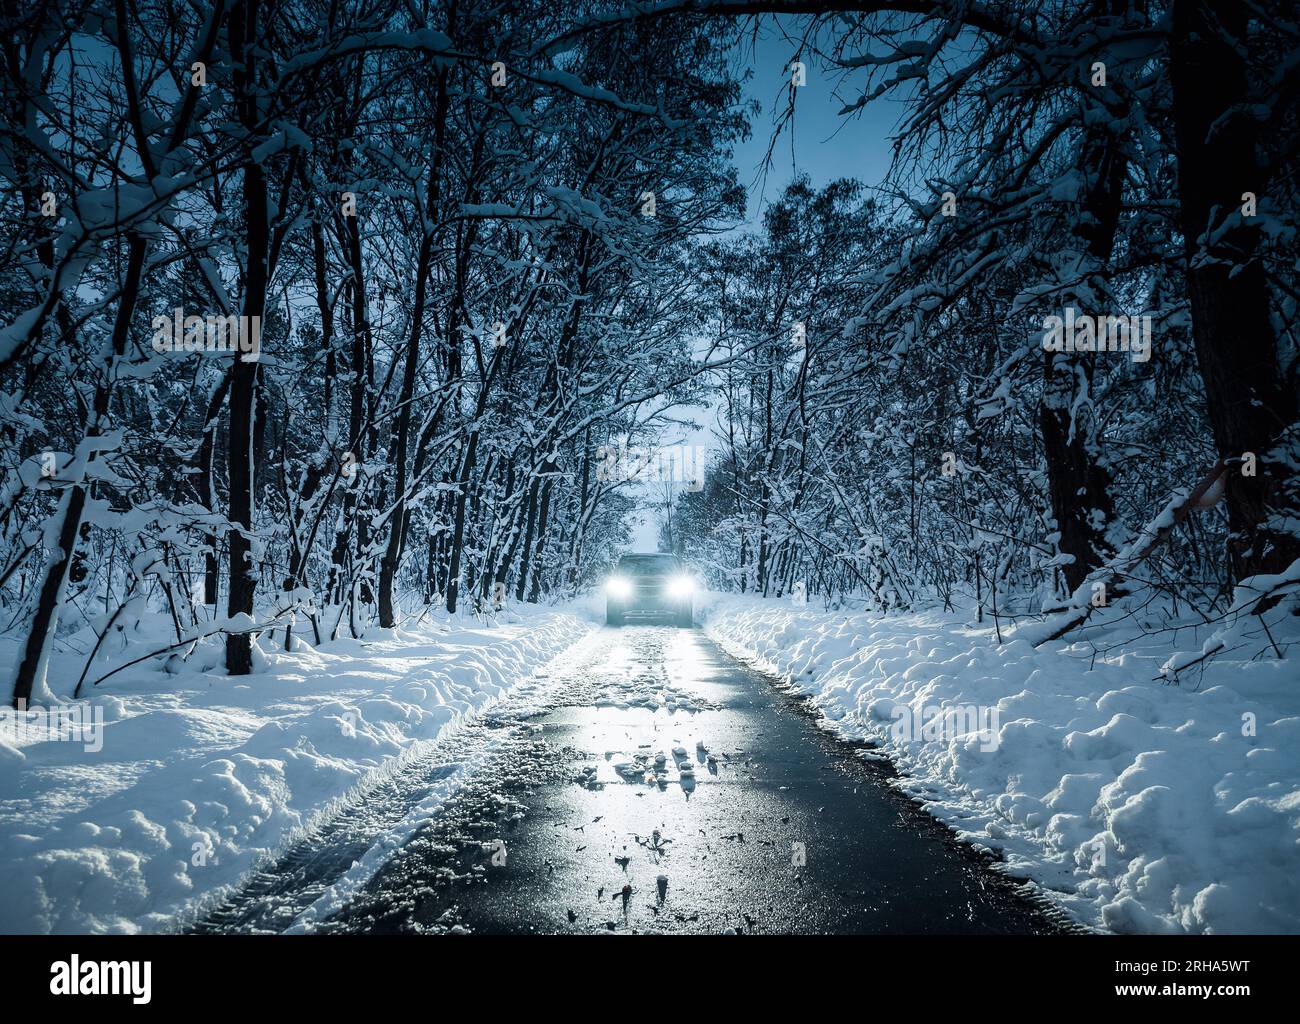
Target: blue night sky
(820, 142)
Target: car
(650, 586)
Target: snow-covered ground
(170, 788)
(1140, 805)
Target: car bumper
(650, 611)
(649, 604)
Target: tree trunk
(543, 523)
(392, 559)
(243, 398)
(1078, 472)
(525, 555)
(29, 677)
(458, 533)
(207, 491)
(1247, 401)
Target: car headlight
(618, 587)
(681, 586)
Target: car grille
(648, 590)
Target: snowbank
(167, 789)
(1140, 806)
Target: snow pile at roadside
(1141, 806)
(171, 788)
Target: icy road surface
(650, 784)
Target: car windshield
(647, 565)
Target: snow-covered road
(650, 784)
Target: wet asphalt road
(561, 827)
